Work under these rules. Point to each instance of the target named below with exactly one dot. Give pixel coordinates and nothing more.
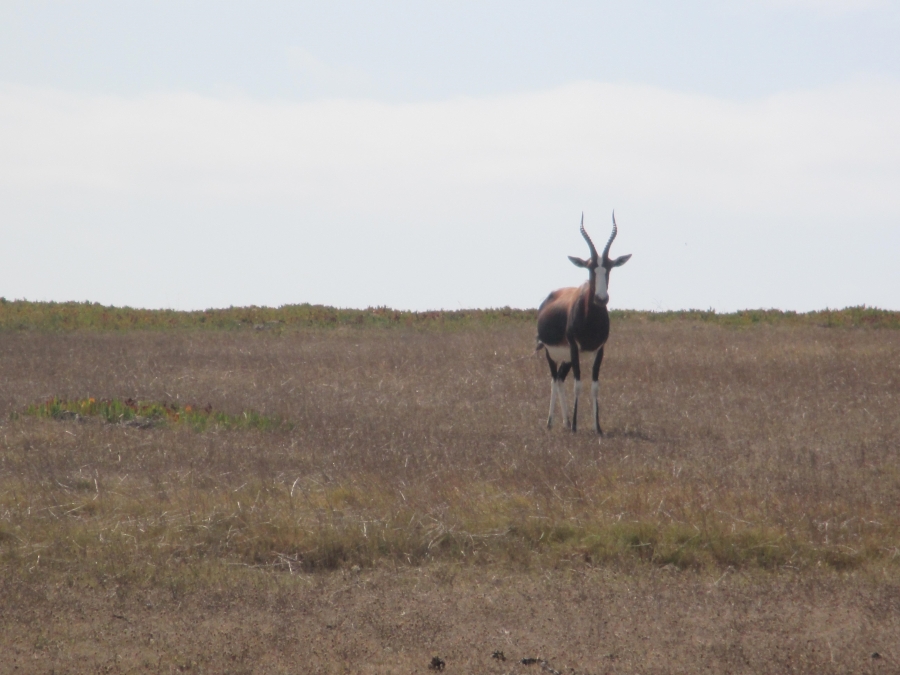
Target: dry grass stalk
(767, 447)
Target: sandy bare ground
(398, 620)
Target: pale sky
(426, 155)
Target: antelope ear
(578, 262)
(621, 260)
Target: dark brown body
(573, 314)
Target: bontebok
(575, 320)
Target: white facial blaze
(600, 290)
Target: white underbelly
(562, 354)
(558, 354)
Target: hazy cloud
(323, 78)
(801, 151)
(705, 189)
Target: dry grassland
(741, 514)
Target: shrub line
(70, 316)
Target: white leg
(576, 388)
(595, 395)
(554, 386)
(564, 409)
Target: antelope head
(599, 266)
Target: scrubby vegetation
(66, 316)
(144, 414)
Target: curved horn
(588, 239)
(611, 237)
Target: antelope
(575, 320)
